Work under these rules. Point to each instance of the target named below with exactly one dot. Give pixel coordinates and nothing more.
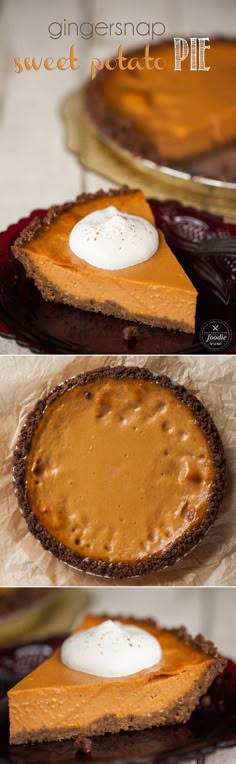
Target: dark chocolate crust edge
(178, 713)
(52, 293)
(122, 131)
(103, 567)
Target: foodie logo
(215, 335)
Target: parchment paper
(24, 379)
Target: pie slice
(119, 471)
(56, 702)
(156, 292)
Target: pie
(119, 471)
(156, 292)
(8, 599)
(14, 599)
(56, 702)
(21, 612)
(168, 116)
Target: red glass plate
(54, 327)
(212, 726)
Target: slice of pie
(156, 292)
(119, 471)
(56, 702)
(168, 115)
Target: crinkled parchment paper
(24, 379)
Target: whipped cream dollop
(112, 240)
(111, 649)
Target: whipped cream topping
(111, 649)
(112, 240)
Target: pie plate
(211, 727)
(57, 328)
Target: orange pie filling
(119, 469)
(58, 700)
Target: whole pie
(156, 292)
(119, 471)
(169, 116)
(21, 612)
(56, 702)
(13, 599)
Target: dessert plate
(212, 726)
(53, 327)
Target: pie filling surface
(119, 469)
(169, 114)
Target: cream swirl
(111, 239)
(111, 649)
